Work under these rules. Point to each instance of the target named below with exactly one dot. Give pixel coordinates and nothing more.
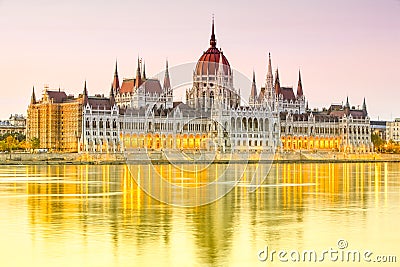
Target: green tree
(378, 142)
(11, 143)
(34, 143)
(19, 136)
(3, 145)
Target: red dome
(209, 61)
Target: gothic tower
(115, 84)
(167, 90)
(269, 84)
(253, 92)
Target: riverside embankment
(156, 157)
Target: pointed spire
(299, 87)
(347, 103)
(306, 105)
(253, 92)
(269, 64)
(167, 82)
(144, 71)
(112, 98)
(269, 84)
(277, 83)
(138, 80)
(213, 41)
(115, 83)
(33, 97)
(364, 107)
(85, 94)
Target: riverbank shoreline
(158, 158)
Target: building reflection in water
(93, 204)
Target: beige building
(56, 120)
(15, 124)
(393, 130)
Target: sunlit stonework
(212, 119)
(141, 114)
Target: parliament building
(140, 113)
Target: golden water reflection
(97, 215)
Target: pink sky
(344, 48)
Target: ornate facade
(56, 120)
(140, 114)
(279, 98)
(339, 128)
(100, 129)
(211, 119)
(15, 124)
(141, 91)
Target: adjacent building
(393, 130)
(56, 120)
(15, 124)
(379, 128)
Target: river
(96, 215)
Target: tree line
(17, 141)
(382, 146)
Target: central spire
(299, 86)
(138, 80)
(253, 92)
(167, 82)
(33, 97)
(277, 83)
(213, 41)
(115, 83)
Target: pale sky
(343, 47)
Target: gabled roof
(99, 102)
(288, 93)
(150, 86)
(127, 86)
(57, 96)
